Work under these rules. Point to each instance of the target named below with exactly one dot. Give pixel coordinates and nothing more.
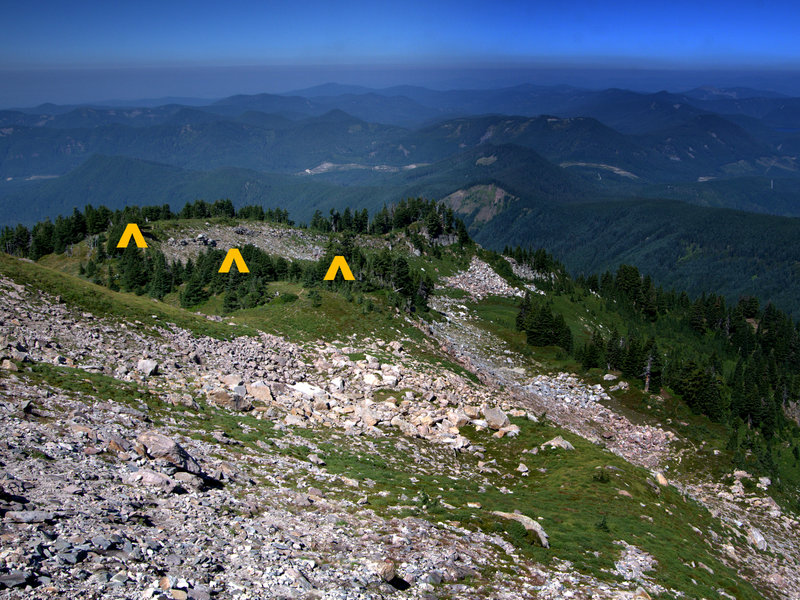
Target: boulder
(458, 418)
(385, 569)
(528, 523)
(158, 445)
(28, 516)
(260, 391)
(495, 418)
(232, 380)
(223, 399)
(8, 365)
(308, 391)
(15, 579)
(147, 367)
(559, 442)
(190, 480)
(756, 538)
(294, 420)
(315, 459)
(149, 478)
(368, 416)
(372, 379)
(510, 430)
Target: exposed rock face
(480, 281)
(157, 445)
(755, 537)
(147, 367)
(528, 523)
(559, 442)
(495, 418)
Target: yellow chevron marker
(132, 231)
(233, 256)
(339, 263)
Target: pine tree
(230, 301)
(697, 318)
(41, 239)
(134, 275)
(614, 351)
(401, 278)
(461, 233)
(433, 223)
(194, 293)
(160, 279)
(524, 309)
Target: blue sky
(620, 34)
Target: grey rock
(157, 445)
(102, 543)
(147, 367)
(15, 579)
(29, 516)
(756, 538)
(559, 442)
(495, 418)
(528, 523)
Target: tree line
(738, 364)
(149, 272)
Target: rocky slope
(143, 461)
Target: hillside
(683, 246)
(355, 445)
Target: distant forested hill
(689, 247)
(592, 175)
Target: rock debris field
(143, 462)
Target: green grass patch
(103, 302)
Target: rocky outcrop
(157, 445)
(480, 281)
(528, 523)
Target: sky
(92, 50)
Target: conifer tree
(160, 284)
(194, 293)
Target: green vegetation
(147, 272)
(575, 495)
(728, 372)
(686, 247)
(104, 302)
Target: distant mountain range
(571, 169)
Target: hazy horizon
(95, 51)
(26, 88)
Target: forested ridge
(738, 364)
(148, 271)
